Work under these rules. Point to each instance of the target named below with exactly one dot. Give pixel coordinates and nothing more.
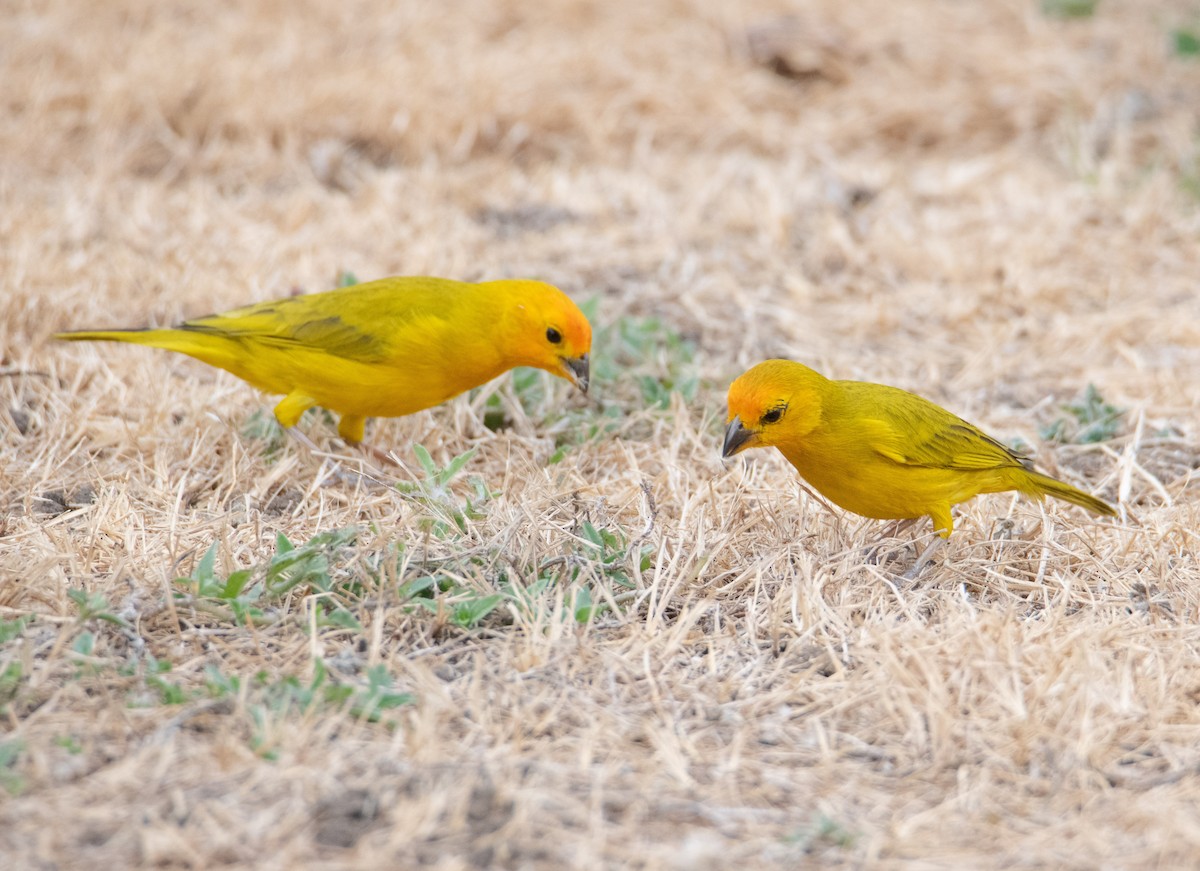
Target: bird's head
(773, 404)
(547, 330)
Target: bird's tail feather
(201, 345)
(1039, 484)
(173, 340)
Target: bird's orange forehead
(751, 396)
(575, 328)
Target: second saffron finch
(385, 348)
(876, 450)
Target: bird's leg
(894, 528)
(302, 439)
(926, 555)
(340, 473)
(352, 428)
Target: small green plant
(244, 592)
(269, 699)
(90, 606)
(70, 743)
(346, 278)
(84, 644)
(633, 344)
(219, 685)
(169, 692)
(610, 551)
(11, 629)
(10, 683)
(261, 426)
(1088, 421)
(1069, 8)
(10, 752)
(93, 606)
(448, 514)
(281, 699)
(608, 554)
(1185, 42)
(824, 832)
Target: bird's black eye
(773, 415)
(553, 336)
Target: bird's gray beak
(737, 438)
(577, 370)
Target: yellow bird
(875, 450)
(385, 348)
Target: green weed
(93, 606)
(1185, 42)
(10, 753)
(12, 629)
(448, 514)
(270, 700)
(10, 683)
(1069, 8)
(70, 743)
(608, 555)
(242, 595)
(1088, 421)
(824, 832)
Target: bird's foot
(384, 457)
(884, 551)
(337, 471)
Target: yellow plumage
(876, 450)
(385, 348)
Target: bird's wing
(914, 432)
(361, 323)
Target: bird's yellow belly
(347, 386)
(885, 490)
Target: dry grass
(978, 201)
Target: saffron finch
(875, 450)
(385, 348)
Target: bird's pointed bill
(737, 438)
(578, 371)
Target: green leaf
(70, 743)
(10, 629)
(583, 605)
(235, 584)
(341, 618)
(379, 695)
(1090, 420)
(456, 465)
(1069, 8)
(467, 614)
(425, 460)
(220, 685)
(417, 586)
(10, 752)
(1186, 43)
(10, 681)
